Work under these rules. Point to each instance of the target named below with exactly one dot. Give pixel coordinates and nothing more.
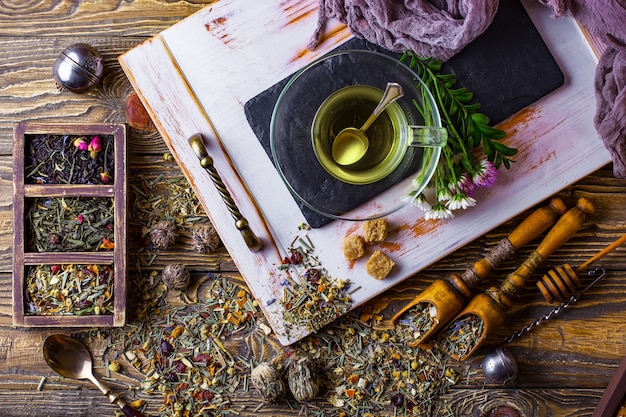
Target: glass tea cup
(340, 91)
(386, 140)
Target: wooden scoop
(490, 307)
(447, 297)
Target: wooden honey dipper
(447, 297)
(486, 311)
(561, 282)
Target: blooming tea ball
(204, 238)
(176, 276)
(267, 380)
(302, 377)
(163, 234)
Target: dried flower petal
(95, 145)
(105, 177)
(80, 144)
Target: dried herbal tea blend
(70, 224)
(462, 335)
(366, 371)
(200, 356)
(69, 159)
(314, 298)
(168, 199)
(68, 289)
(418, 321)
(186, 351)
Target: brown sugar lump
(353, 247)
(379, 265)
(375, 231)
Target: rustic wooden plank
(111, 18)
(564, 364)
(471, 402)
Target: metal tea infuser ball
(78, 68)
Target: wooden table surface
(565, 364)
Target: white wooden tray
(196, 76)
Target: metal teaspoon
(351, 144)
(71, 359)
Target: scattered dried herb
(182, 350)
(311, 297)
(68, 289)
(164, 199)
(368, 371)
(193, 356)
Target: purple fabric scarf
(607, 20)
(435, 28)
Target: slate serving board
(510, 49)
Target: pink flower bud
(80, 144)
(55, 268)
(95, 145)
(105, 177)
(80, 219)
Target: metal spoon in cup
(71, 359)
(351, 144)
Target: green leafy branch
(467, 127)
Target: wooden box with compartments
(69, 215)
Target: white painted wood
(197, 75)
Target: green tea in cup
(390, 139)
(350, 107)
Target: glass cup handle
(428, 136)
